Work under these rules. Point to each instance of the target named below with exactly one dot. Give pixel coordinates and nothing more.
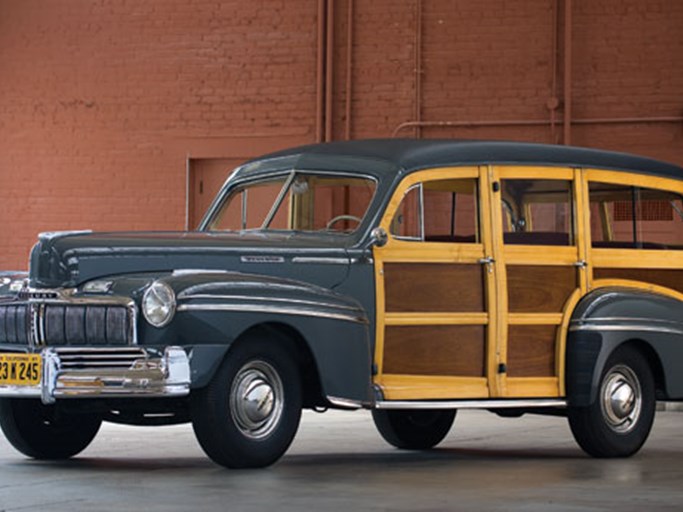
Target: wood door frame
(530, 255)
(400, 386)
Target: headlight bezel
(158, 304)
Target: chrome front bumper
(126, 372)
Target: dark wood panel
(450, 350)
(437, 287)
(670, 278)
(539, 289)
(531, 350)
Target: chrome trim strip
(51, 235)
(249, 308)
(207, 296)
(321, 260)
(344, 402)
(635, 327)
(472, 404)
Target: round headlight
(158, 304)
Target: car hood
(69, 258)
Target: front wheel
(44, 431)
(249, 413)
(619, 421)
(413, 429)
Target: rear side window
(626, 217)
(537, 212)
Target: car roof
(408, 155)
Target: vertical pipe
(320, 81)
(418, 65)
(349, 68)
(329, 70)
(567, 138)
(552, 103)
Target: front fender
(215, 310)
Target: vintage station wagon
(410, 277)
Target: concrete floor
(339, 463)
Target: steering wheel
(336, 219)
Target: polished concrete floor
(339, 463)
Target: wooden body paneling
(669, 278)
(539, 289)
(433, 287)
(449, 350)
(531, 350)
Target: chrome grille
(57, 324)
(100, 359)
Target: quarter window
(634, 217)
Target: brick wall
(102, 102)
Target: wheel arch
(610, 318)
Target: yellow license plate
(20, 369)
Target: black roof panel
(413, 154)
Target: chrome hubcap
(256, 399)
(621, 399)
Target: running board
(529, 403)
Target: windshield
(298, 201)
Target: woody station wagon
(410, 277)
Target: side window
(439, 211)
(537, 212)
(635, 218)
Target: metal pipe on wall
(567, 132)
(418, 65)
(349, 68)
(320, 69)
(329, 70)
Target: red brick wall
(102, 102)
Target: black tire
(618, 423)
(45, 432)
(413, 429)
(228, 417)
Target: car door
(435, 289)
(540, 258)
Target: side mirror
(378, 237)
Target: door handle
(581, 264)
(487, 261)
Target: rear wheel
(44, 431)
(619, 421)
(248, 415)
(413, 429)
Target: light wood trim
(528, 387)
(420, 387)
(399, 251)
(636, 258)
(524, 172)
(436, 318)
(535, 318)
(380, 313)
(498, 328)
(634, 179)
(532, 254)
